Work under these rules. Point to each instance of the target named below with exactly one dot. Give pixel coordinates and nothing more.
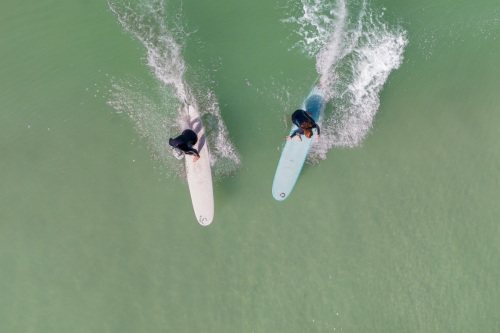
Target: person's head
(307, 126)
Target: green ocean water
(392, 227)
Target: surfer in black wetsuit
(185, 142)
(305, 124)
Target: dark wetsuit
(300, 116)
(185, 142)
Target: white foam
(315, 25)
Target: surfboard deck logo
(295, 152)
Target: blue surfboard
(295, 152)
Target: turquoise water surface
(393, 225)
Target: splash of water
(157, 112)
(355, 52)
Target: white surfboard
(295, 152)
(199, 173)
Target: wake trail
(157, 112)
(355, 52)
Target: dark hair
(307, 126)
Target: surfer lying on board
(305, 124)
(185, 143)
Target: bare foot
(298, 138)
(288, 138)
